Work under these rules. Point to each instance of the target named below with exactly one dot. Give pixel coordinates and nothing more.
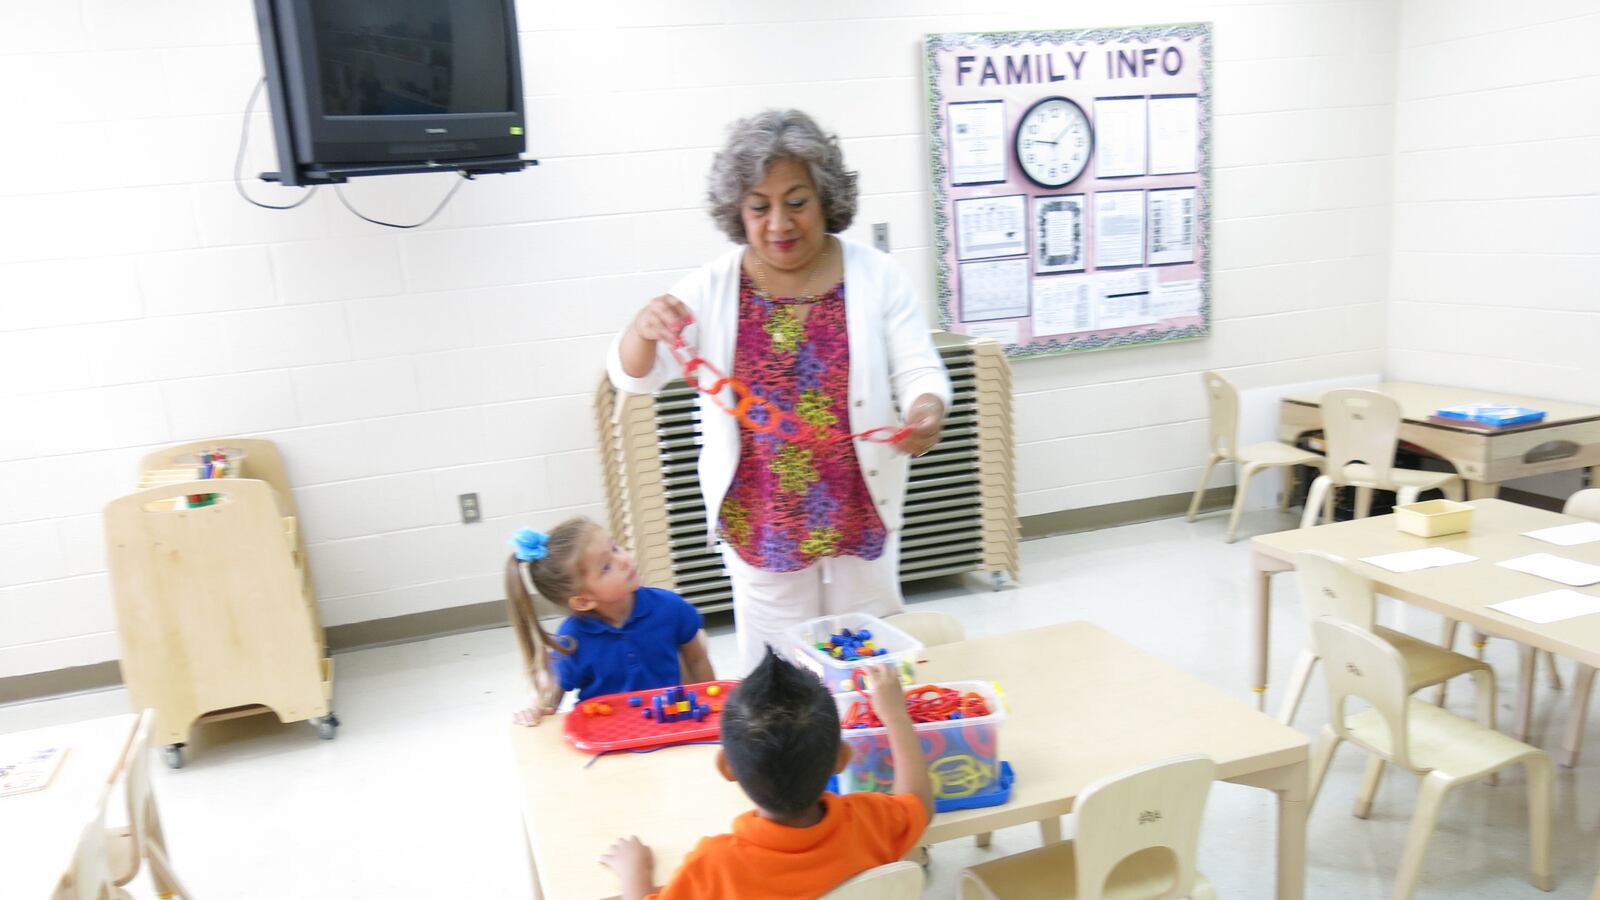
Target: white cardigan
(889, 343)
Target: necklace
(761, 278)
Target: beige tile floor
(416, 796)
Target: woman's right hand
(661, 318)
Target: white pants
(767, 604)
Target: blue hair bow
(530, 544)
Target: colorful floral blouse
(792, 504)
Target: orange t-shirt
(762, 860)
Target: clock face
(1054, 141)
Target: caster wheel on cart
(326, 726)
(172, 755)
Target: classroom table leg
(1292, 784)
(1262, 569)
(533, 867)
(1528, 673)
(1572, 735)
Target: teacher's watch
(1054, 141)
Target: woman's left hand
(925, 418)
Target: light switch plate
(470, 511)
(880, 236)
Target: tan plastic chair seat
(930, 627)
(1051, 873)
(1272, 453)
(1359, 474)
(893, 881)
(1441, 740)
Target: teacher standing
(827, 329)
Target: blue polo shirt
(639, 656)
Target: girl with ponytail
(620, 636)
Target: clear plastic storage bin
(963, 755)
(835, 673)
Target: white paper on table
(1555, 568)
(1119, 128)
(1417, 560)
(1550, 606)
(1568, 535)
(1118, 228)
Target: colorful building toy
(676, 704)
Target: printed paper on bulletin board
(1072, 196)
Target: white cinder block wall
(1496, 272)
(143, 303)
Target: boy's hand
(634, 864)
(888, 700)
(531, 716)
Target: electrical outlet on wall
(470, 511)
(880, 236)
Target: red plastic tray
(627, 728)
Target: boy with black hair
(780, 741)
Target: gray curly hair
(755, 143)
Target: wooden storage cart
(216, 613)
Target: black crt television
(365, 87)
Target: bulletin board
(1072, 187)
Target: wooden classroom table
(1461, 592)
(42, 827)
(1081, 704)
(1567, 438)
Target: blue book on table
(1491, 413)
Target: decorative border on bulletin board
(943, 232)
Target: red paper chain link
(926, 703)
(777, 421)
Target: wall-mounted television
(374, 86)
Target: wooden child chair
(142, 838)
(1362, 432)
(1445, 749)
(933, 629)
(899, 880)
(1329, 587)
(1137, 836)
(1222, 398)
(90, 875)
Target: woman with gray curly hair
(822, 328)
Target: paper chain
(777, 421)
